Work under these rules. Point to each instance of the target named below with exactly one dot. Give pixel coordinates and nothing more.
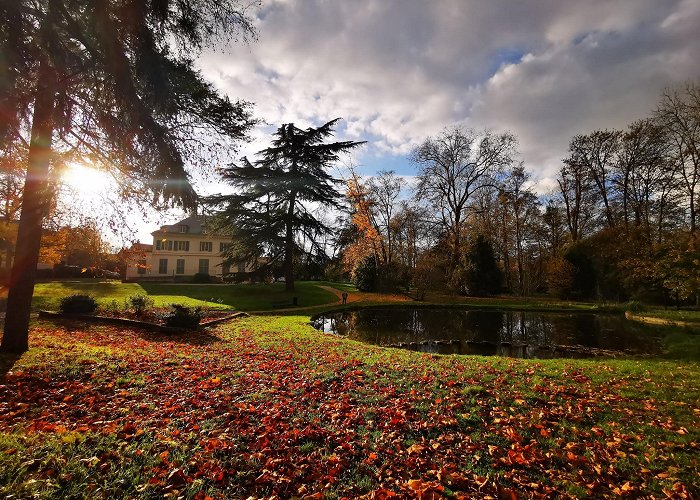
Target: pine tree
(109, 80)
(277, 194)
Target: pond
(495, 332)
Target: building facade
(180, 251)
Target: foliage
(140, 303)
(78, 304)
(560, 277)
(585, 277)
(126, 413)
(201, 278)
(183, 317)
(365, 275)
(269, 213)
(481, 276)
(113, 84)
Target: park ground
(267, 405)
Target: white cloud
(400, 70)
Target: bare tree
(679, 114)
(596, 153)
(452, 167)
(385, 190)
(577, 194)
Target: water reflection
(505, 333)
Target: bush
(201, 278)
(183, 317)
(634, 306)
(78, 304)
(140, 303)
(365, 275)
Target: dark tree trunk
(34, 204)
(289, 246)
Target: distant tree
(643, 174)
(273, 206)
(482, 277)
(578, 196)
(454, 166)
(595, 153)
(112, 81)
(519, 218)
(385, 189)
(679, 114)
(677, 265)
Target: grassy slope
(269, 406)
(241, 297)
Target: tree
(113, 82)
(385, 189)
(520, 212)
(595, 154)
(276, 195)
(679, 114)
(483, 277)
(577, 194)
(452, 167)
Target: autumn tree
(273, 207)
(113, 81)
(452, 167)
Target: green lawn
(269, 407)
(243, 297)
(685, 315)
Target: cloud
(398, 71)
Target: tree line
(621, 225)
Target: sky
(399, 71)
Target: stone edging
(135, 323)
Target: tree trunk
(34, 203)
(289, 246)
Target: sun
(86, 179)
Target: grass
(243, 297)
(268, 406)
(684, 315)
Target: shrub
(140, 303)
(78, 304)
(183, 317)
(634, 306)
(201, 278)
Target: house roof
(196, 224)
(145, 247)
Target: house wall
(191, 256)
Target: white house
(181, 250)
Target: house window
(159, 244)
(204, 266)
(141, 267)
(225, 268)
(205, 246)
(180, 266)
(183, 229)
(224, 246)
(163, 266)
(182, 246)
(241, 267)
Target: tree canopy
(272, 213)
(112, 83)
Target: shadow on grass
(191, 337)
(7, 361)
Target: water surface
(494, 332)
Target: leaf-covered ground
(269, 407)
